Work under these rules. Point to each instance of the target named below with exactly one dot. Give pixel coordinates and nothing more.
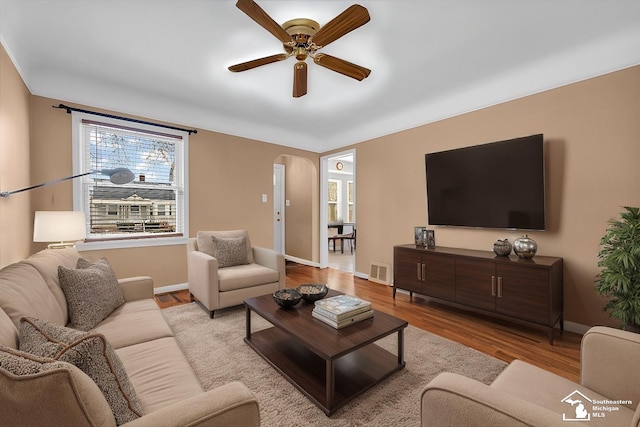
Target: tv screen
(496, 185)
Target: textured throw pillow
(23, 363)
(92, 292)
(41, 391)
(90, 352)
(230, 251)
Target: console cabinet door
(524, 293)
(407, 270)
(476, 283)
(440, 280)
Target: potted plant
(619, 258)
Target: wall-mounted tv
(495, 185)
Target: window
(334, 201)
(150, 210)
(350, 200)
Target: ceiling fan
(303, 38)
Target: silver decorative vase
(525, 247)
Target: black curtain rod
(111, 116)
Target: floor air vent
(380, 272)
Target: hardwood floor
(501, 339)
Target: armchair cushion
(245, 276)
(90, 352)
(92, 292)
(230, 251)
(205, 241)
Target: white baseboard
(361, 275)
(301, 261)
(170, 288)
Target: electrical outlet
(264, 198)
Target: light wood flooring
(504, 340)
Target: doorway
(338, 210)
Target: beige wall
(227, 176)
(592, 134)
(592, 137)
(16, 216)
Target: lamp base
(61, 245)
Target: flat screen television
(497, 185)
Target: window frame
(81, 204)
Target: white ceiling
(167, 60)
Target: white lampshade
(59, 226)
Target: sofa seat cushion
(245, 276)
(133, 323)
(159, 372)
(548, 390)
(23, 292)
(91, 353)
(92, 292)
(48, 392)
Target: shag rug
(218, 354)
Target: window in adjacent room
(350, 200)
(154, 205)
(334, 201)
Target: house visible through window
(153, 205)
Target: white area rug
(218, 354)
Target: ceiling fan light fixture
(297, 36)
(304, 26)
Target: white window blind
(151, 206)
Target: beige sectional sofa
(167, 388)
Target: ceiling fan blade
(341, 66)
(258, 62)
(352, 18)
(299, 79)
(256, 13)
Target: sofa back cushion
(24, 292)
(8, 331)
(205, 241)
(38, 391)
(47, 262)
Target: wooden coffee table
(330, 366)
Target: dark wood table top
(322, 339)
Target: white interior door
(278, 208)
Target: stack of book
(342, 310)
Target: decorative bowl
(286, 298)
(312, 292)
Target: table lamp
(63, 227)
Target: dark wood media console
(527, 291)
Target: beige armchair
(524, 395)
(224, 269)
